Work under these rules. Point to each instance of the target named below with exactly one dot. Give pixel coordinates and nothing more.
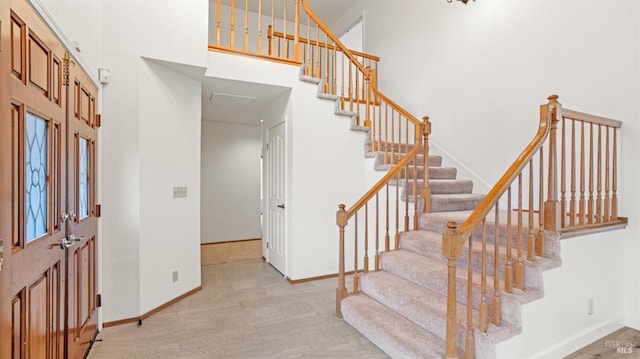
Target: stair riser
(395, 335)
(434, 322)
(441, 187)
(447, 205)
(443, 205)
(552, 247)
(533, 278)
(432, 319)
(434, 173)
(396, 148)
(389, 159)
(437, 281)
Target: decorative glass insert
(83, 179)
(36, 175)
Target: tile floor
(247, 310)
(244, 310)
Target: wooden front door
(83, 222)
(47, 171)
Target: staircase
(408, 294)
(433, 269)
(402, 307)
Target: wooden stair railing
(244, 27)
(383, 212)
(333, 57)
(272, 29)
(521, 192)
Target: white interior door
(276, 197)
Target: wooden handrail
(489, 201)
(390, 128)
(397, 107)
(581, 116)
(564, 210)
(263, 56)
(393, 172)
(334, 38)
(322, 44)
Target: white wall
(480, 71)
(230, 208)
(86, 34)
(151, 128)
(559, 323)
(169, 156)
(324, 158)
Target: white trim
(632, 323)
(580, 340)
(47, 18)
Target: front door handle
(67, 242)
(281, 206)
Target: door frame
(267, 204)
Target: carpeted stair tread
(437, 222)
(413, 267)
(429, 244)
(374, 145)
(455, 202)
(440, 186)
(424, 307)
(384, 164)
(402, 307)
(389, 331)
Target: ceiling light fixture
(463, 1)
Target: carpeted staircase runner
(402, 307)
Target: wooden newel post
(552, 211)
(451, 249)
(270, 39)
(426, 189)
(341, 291)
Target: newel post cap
(452, 241)
(341, 216)
(427, 125)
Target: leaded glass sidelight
(83, 179)
(36, 177)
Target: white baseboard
(581, 339)
(632, 323)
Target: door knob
(281, 206)
(65, 243)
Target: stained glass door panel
(37, 177)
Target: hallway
(244, 310)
